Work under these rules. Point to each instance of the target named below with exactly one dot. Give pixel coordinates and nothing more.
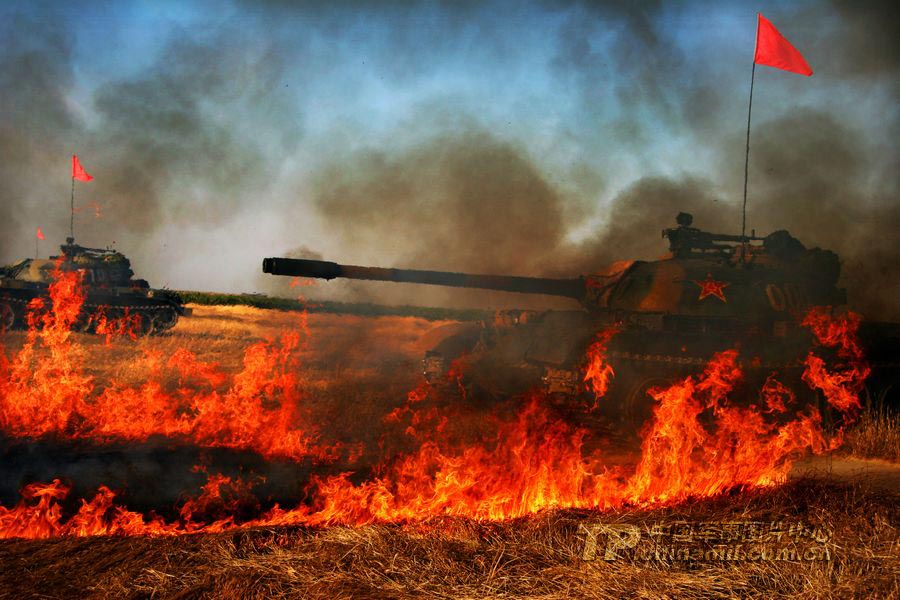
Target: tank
(710, 293)
(110, 290)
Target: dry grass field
(353, 369)
(876, 434)
(533, 557)
(357, 369)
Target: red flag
(78, 171)
(773, 50)
(39, 234)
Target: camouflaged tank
(711, 293)
(109, 284)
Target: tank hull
(547, 351)
(154, 311)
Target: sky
(522, 137)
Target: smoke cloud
(34, 69)
(528, 139)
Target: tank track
(692, 360)
(696, 360)
(568, 381)
(156, 325)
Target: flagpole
(747, 154)
(72, 211)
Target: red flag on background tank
(78, 171)
(773, 50)
(39, 234)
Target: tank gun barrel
(320, 269)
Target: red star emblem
(711, 287)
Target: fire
(302, 282)
(32, 401)
(699, 441)
(681, 456)
(598, 372)
(534, 461)
(840, 387)
(44, 390)
(128, 325)
(39, 515)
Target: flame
(39, 515)
(128, 325)
(302, 282)
(39, 391)
(681, 456)
(45, 390)
(841, 387)
(598, 372)
(699, 441)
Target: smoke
(867, 35)
(178, 143)
(35, 66)
(470, 202)
(165, 131)
(461, 200)
(813, 171)
(640, 213)
(467, 201)
(820, 179)
(530, 139)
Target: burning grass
(219, 335)
(345, 366)
(480, 464)
(539, 556)
(429, 485)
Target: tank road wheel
(164, 319)
(115, 315)
(85, 322)
(146, 323)
(636, 404)
(7, 317)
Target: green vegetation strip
(348, 308)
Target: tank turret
(706, 275)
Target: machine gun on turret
(685, 241)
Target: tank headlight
(150, 294)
